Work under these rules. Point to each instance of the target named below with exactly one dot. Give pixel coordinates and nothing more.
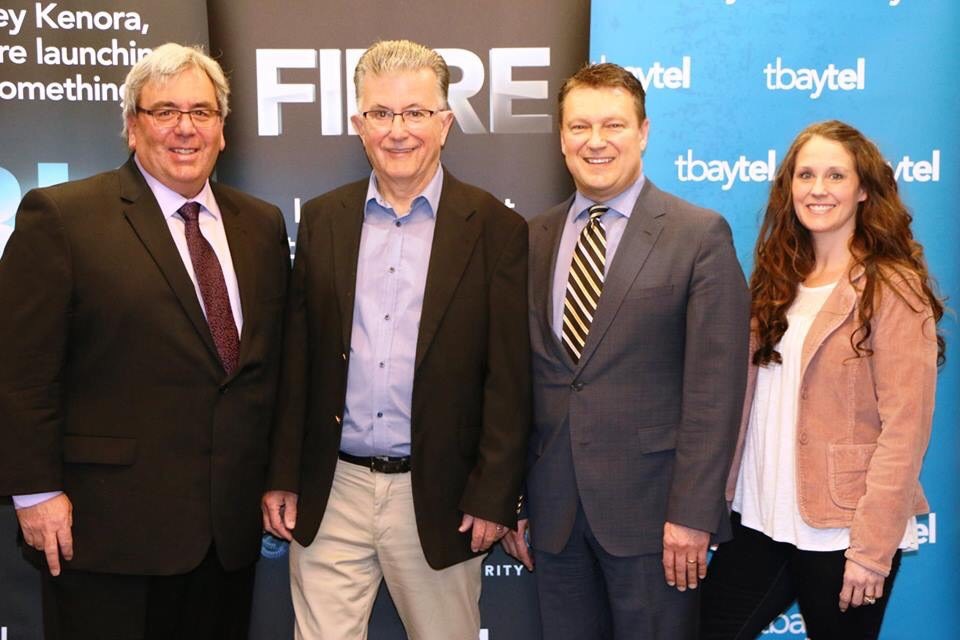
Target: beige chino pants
(369, 533)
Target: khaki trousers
(369, 533)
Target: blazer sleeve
(494, 484)
(904, 364)
(35, 295)
(714, 376)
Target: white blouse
(766, 493)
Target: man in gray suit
(639, 322)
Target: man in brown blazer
(141, 333)
(405, 397)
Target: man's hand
(485, 532)
(515, 544)
(684, 555)
(279, 513)
(47, 527)
(861, 586)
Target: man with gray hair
(141, 339)
(405, 395)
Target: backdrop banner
(730, 83)
(289, 138)
(62, 67)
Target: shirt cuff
(31, 499)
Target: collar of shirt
(170, 201)
(622, 203)
(430, 196)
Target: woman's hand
(860, 586)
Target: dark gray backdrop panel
(71, 139)
(302, 162)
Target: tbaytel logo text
(784, 624)
(742, 169)
(909, 170)
(781, 78)
(891, 3)
(660, 76)
(333, 65)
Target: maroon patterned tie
(213, 288)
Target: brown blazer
(471, 390)
(863, 424)
(110, 384)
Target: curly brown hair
(882, 245)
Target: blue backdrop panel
(730, 83)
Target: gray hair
(386, 56)
(165, 62)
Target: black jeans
(752, 579)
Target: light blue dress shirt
(391, 277)
(614, 222)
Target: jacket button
(577, 386)
(344, 356)
(803, 393)
(337, 418)
(804, 438)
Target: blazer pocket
(99, 450)
(847, 472)
(662, 437)
(650, 292)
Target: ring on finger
(869, 600)
(691, 562)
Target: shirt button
(386, 317)
(391, 269)
(379, 414)
(397, 223)
(804, 438)
(382, 365)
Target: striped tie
(585, 282)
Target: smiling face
(602, 140)
(826, 189)
(182, 156)
(404, 157)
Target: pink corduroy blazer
(863, 423)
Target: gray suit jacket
(642, 429)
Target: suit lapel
(143, 213)
(550, 231)
(241, 253)
(837, 307)
(347, 226)
(456, 232)
(643, 229)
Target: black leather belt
(380, 464)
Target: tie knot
(596, 211)
(190, 211)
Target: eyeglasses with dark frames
(167, 117)
(411, 117)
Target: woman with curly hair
(844, 353)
